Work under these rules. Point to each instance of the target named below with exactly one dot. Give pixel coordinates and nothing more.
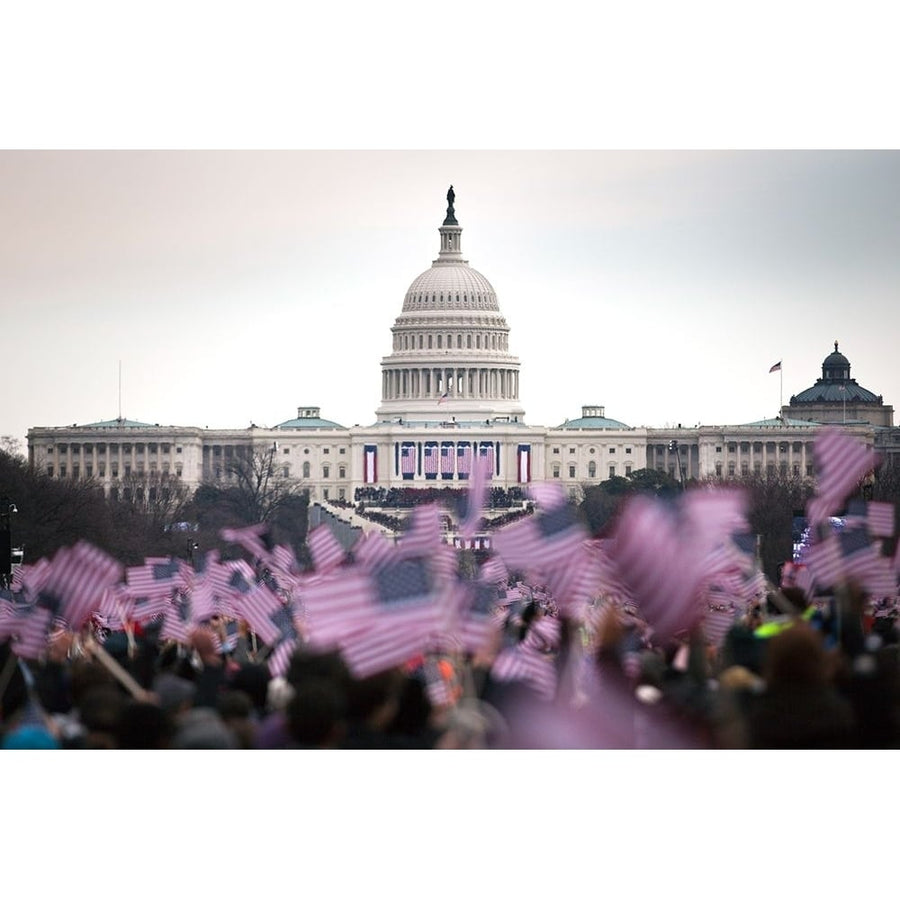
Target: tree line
(150, 514)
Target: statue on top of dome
(451, 213)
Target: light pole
(7, 509)
(674, 448)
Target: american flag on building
(370, 464)
(486, 453)
(523, 461)
(408, 460)
(431, 460)
(447, 460)
(463, 459)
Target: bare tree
(161, 498)
(259, 490)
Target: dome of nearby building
(308, 417)
(594, 417)
(836, 385)
(836, 397)
(836, 360)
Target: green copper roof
(778, 422)
(120, 423)
(595, 422)
(310, 422)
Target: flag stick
(7, 675)
(116, 670)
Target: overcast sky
(234, 286)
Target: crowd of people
(410, 497)
(791, 674)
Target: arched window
(306, 469)
(592, 469)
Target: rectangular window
(718, 449)
(325, 471)
(178, 449)
(612, 449)
(718, 470)
(101, 470)
(627, 470)
(166, 448)
(342, 472)
(571, 449)
(342, 494)
(49, 471)
(88, 471)
(628, 449)
(612, 471)
(286, 451)
(326, 451)
(75, 449)
(342, 451)
(115, 471)
(571, 471)
(286, 471)
(50, 451)
(325, 493)
(556, 450)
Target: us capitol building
(449, 393)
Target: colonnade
(460, 382)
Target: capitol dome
(450, 359)
(453, 285)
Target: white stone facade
(450, 388)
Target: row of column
(768, 457)
(424, 384)
(709, 458)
